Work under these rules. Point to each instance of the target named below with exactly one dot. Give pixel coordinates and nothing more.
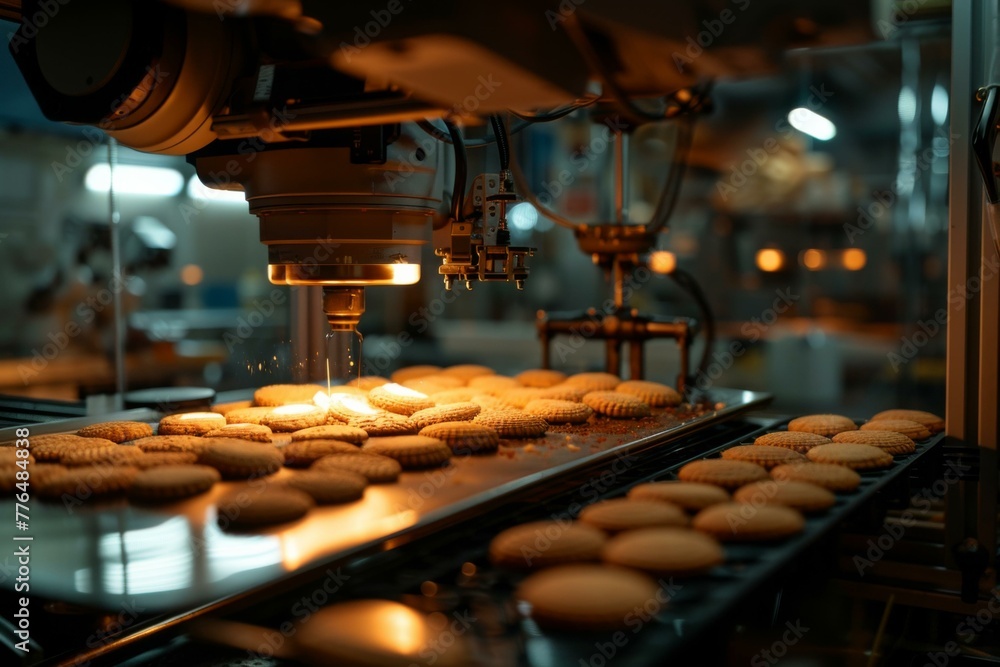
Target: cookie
(513, 423)
(613, 404)
(387, 424)
(802, 496)
(546, 543)
(9, 457)
(584, 597)
(464, 437)
(448, 396)
(240, 459)
(368, 382)
(614, 516)
(691, 496)
(414, 372)
(565, 392)
(303, 453)
(468, 371)
(520, 396)
(741, 522)
(51, 450)
(245, 508)
(252, 432)
(40, 474)
(664, 552)
(493, 385)
(559, 412)
(329, 486)
(171, 443)
(432, 384)
(930, 420)
(720, 472)
(796, 440)
(345, 407)
(540, 377)
(172, 482)
(294, 417)
(454, 412)
(190, 423)
(86, 482)
(412, 451)
(836, 478)
(118, 455)
(117, 431)
(653, 394)
(487, 402)
(377, 469)
(253, 415)
(594, 381)
(763, 455)
(342, 432)
(891, 441)
(285, 394)
(157, 459)
(825, 425)
(225, 408)
(913, 430)
(856, 457)
(399, 399)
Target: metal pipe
(118, 280)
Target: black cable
(687, 283)
(503, 145)
(461, 170)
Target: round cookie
(387, 424)
(492, 384)
(766, 456)
(245, 508)
(117, 455)
(377, 469)
(157, 459)
(727, 474)
(582, 597)
(856, 457)
(343, 407)
(836, 478)
(172, 482)
(190, 423)
(692, 496)
(285, 394)
(225, 408)
(117, 431)
(304, 453)
(432, 384)
(464, 437)
(294, 417)
(825, 425)
(171, 443)
(664, 552)
(467, 372)
(653, 394)
(930, 420)
(911, 429)
(738, 522)
(341, 432)
(565, 392)
(614, 404)
(797, 440)
(453, 412)
(249, 415)
(614, 516)
(412, 451)
(546, 543)
(513, 423)
(52, 450)
(594, 381)
(449, 396)
(559, 412)
(41, 473)
(252, 432)
(519, 397)
(368, 382)
(239, 459)
(399, 399)
(86, 482)
(329, 486)
(540, 377)
(801, 496)
(414, 372)
(891, 441)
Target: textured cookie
(584, 597)
(613, 404)
(856, 457)
(594, 381)
(377, 469)
(546, 543)
(387, 424)
(118, 455)
(303, 453)
(171, 443)
(559, 412)
(653, 394)
(412, 451)
(454, 412)
(10, 459)
(692, 496)
(614, 516)
(448, 396)
(285, 394)
(240, 459)
(833, 477)
(741, 522)
(825, 425)
(294, 417)
(342, 432)
(252, 432)
(432, 384)
(172, 482)
(802, 496)
(513, 423)
(720, 472)
(157, 459)
(225, 408)
(86, 482)
(251, 415)
(913, 430)
(51, 450)
(345, 407)
(664, 551)
(565, 392)
(540, 377)
(245, 509)
(891, 441)
(399, 399)
(933, 423)
(763, 455)
(117, 431)
(40, 474)
(493, 384)
(519, 397)
(329, 486)
(487, 402)
(413, 372)
(464, 437)
(190, 423)
(797, 440)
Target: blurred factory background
(822, 249)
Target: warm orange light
(662, 261)
(468, 569)
(770, 259)
(404, 629)
(854, 259)
(200, 415)
(814, 259)
(429, 589)
(400, 390)
(295, 409)
(191, 274)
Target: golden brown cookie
(802, 496)
(253, 432)
(432, 384)
(412, 451)
(414, 372)
(341, 432)
(692, 496)
(285, 394)
(933, 423)
(329, 486)
(614, 516)
(9, 457)
(913, 430)
(38, 475)
(856, 457)
(565, 392)
(399, 399)
(763, 455)
(653, 394)
(294, 417)
(825, 425)
(464, 437)
(254, 415)
(303, 453)
(613, 404)
(796, 440)
(171, 443)
(86, 482)
(241, 459)
(448, 396)
(52, 450)
(540, 377)
(487, 402)
(454, 412)
(546, 543)
(117, 431)
(190, 423)
(513, 423)
(727, 474)
(742, 522)
(833, 477)
(584, 597)
(594, 381)
(468, 371)
(559, 412)
(377, 469)
(225, 408)
(247, 508)
(157, 459)
(368, 382)
(386, 424)
(345, 407)
(118, 455)
(664, 551)
(172, 482)
(891, 441)
(519, 397)
(493, 385)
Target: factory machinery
(350, 130)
